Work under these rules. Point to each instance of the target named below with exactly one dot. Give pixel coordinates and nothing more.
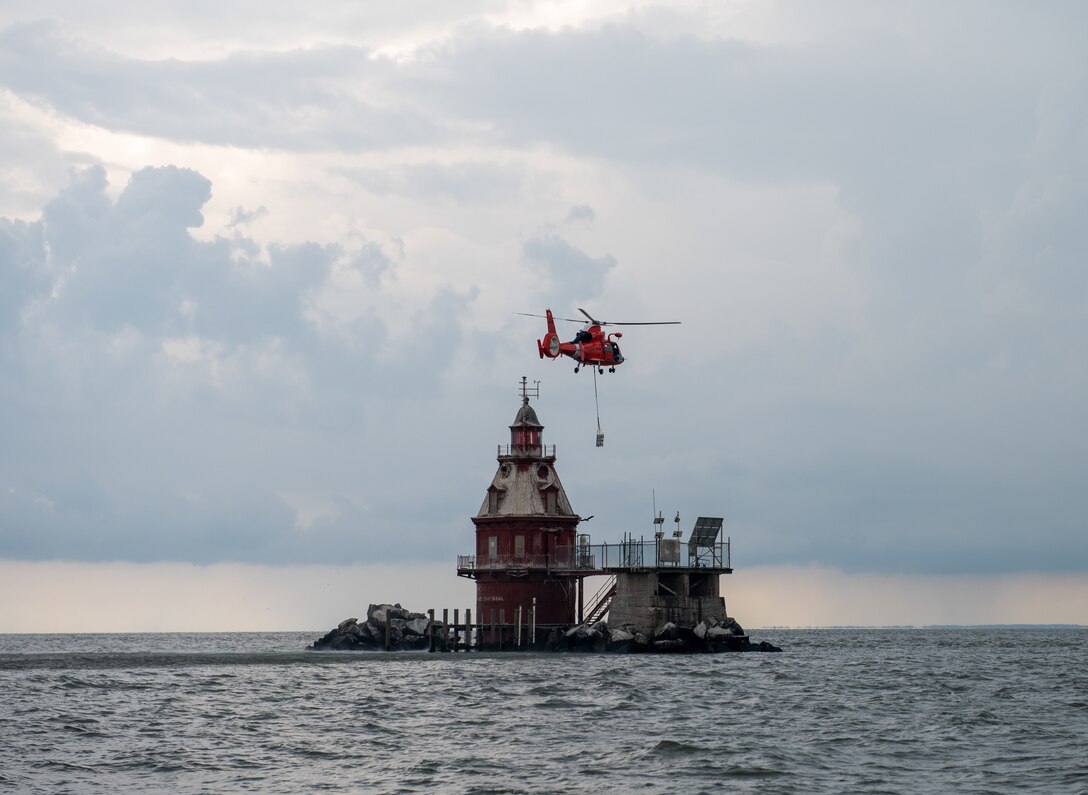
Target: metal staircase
(600, 601)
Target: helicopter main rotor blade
(617, 323)
(567, 319)
(595, 322)
(647, 323)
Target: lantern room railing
(625, 556)
(536, 450)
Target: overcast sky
(259, 268)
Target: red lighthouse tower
(525, 532)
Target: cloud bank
(258, 285)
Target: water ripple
(898, 711)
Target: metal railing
(627, 555)
(537, 450)
(600, 602)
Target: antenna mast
(659, 520)
(527, 391)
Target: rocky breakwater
(709, 635)
(394, 628)
(387, 626)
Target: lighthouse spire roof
(527, 414)
(526, 484)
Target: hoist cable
(596, 402)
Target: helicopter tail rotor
(549, 346)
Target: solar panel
(705, 532)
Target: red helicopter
(590, 345)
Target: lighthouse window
(549, 502)
(519, 546)
(492, 501)
(492, 546)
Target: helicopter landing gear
(600, 370)
(611, 369)
(576, 369)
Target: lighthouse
(530, 563)
(526, 532)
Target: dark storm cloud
(121, 262)
(155, 381)
(156, 386)
(941, 434)
(133, 264)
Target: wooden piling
(430, 629)
(445, 629)
(468, 629)
(456, 632)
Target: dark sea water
(865, 711)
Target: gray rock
(718, 634)
(408, 630)
(376, 613)
(384, 612)
(416, 626)
(621, 635)
(667, 631)
(586, 632)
